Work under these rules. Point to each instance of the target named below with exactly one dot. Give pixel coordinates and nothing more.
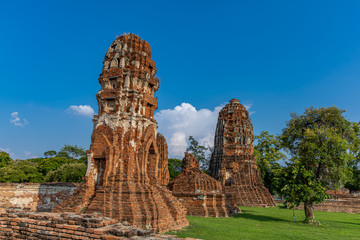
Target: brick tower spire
(232, 161)
(127, 160)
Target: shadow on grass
(246, 214)
(345, 223)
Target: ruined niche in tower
(127, 161)
(232, 161)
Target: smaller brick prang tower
(232, 161)
(201, 194)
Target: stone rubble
(17, 224)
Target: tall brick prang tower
(127, 161)
(232, 161)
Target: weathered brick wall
(348, 205)
(34, 196)
(28, 225)
(343, 202)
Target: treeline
(66, 165)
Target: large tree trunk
(309, 213)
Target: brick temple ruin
(201, 194)
(127, 161)
(232, 161)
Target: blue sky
(277, 57)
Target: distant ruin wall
(39, 197)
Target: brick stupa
(127, 161)
(198, 192)
(232, 161)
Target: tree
(268, 153)
(50, 153)
(354, 166)
(321, 142)
(198, 151)
(174, 167)
(49, 164)
(73, 152)
(71, 172)
(21, 171)
(4, 159)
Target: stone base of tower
(251, 196)
(141, 205)
(205, 204)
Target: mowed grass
(273, 223)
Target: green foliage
(354, 183)
(70, 172)
(73, 152)
(69, 164)
(35, 160)
(50, 153)
(63, 155)
(267, 153)
(4, 159)
(354, 166)
(174, 167)
(21, 171)
(300, 184)
(198, 151)
(49, 164)
(322, 143)
(273, 223)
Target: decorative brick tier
(199, 193)
(127, 160)
(232, 161)
(28, 225)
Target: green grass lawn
(273, 223)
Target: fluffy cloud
(81, 110)
(179, 123)
(183, 121)
(16, 120)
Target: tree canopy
(4, 159)
(322, 143)
(50, 153)
(69, 151)
(21, 171)
(198, 151)
(268, 153)
(174, 167)
(70, 172)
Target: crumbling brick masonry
(232, 161)
(16, 224)
(200, 194)
(127, 160)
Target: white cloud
(179, 123)
(16, 120)
(248, 107)
(183, 121)
(28, 154)
(81, 110)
